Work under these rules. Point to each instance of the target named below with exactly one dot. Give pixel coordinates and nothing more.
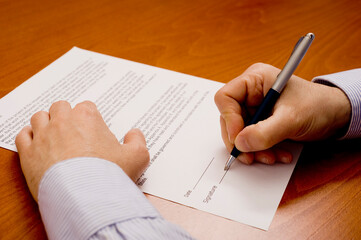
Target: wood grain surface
(212, 39)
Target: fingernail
(245, 159)
(264, 160)
(286, 159)
(229, 136)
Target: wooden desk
(211, 39)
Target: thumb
(263, 135)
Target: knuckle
(89, 104)
(219, 96)
(60, 103)
(86, 108)
(259, 68)
(259, 65)
(20, 134)
(34, 117)
(17, 140)
(38, 115)
(142, 151)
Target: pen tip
(229, 162)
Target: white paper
(177, 114)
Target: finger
(134, 136)
(234, 123)
(135, 142)
(249, 87)
(272, 155)
(246, 90)
(87, 107)
(137, 152)
(59, 109)
(225, 135)
(228, 100)
(246, 157)
(23, 139)
(265, 156)
(39, 120)
(259, 78)
(282, 155)
(231, 113)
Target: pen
(272, 95)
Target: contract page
(180, 122)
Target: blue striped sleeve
(350, 83)
(91, 198)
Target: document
(180, 121)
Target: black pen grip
(262, 112)
(265, 108)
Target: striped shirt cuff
(80, 196)
(350, 83)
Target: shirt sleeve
(91, 198)
(350, 83)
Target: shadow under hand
(322, 164)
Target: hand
(305, 111)
(65, 133)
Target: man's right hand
(305, 111)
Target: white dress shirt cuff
(350, 83)
(80, 196)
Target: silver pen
(272, 95)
